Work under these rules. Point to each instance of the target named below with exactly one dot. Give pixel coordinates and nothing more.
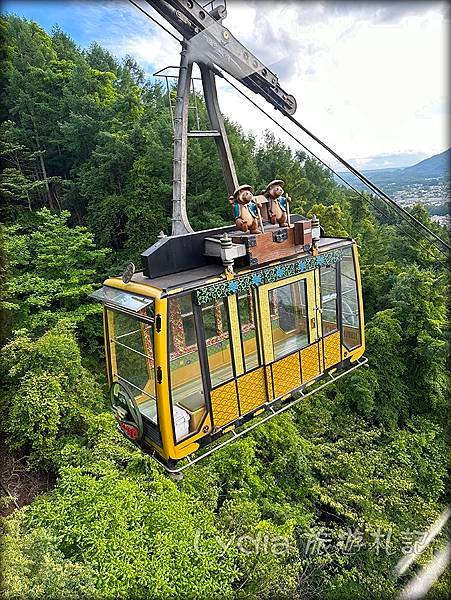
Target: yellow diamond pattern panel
(332, 350)
(287, 374)
(310, 363)
(224, 404)
(252, 390)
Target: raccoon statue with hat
(278, 204)
(246, 213)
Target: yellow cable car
(213, 333)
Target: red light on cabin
(130, 430)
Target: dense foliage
(318, 503)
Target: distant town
(428, 182)
(434, 194)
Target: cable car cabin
(195, 349)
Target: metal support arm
(212, 43)
(180, 222)
(217, 123)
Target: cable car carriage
(195, 349)
(223, 326)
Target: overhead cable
(296, 139)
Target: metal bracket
(210, 42)
(280, 236)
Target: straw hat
(275, 182)
(243, 187)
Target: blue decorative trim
(242, 284)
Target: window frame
(336, 267)
(357, 296)
(257, 331)
(151, 322)
(203, 362)
(230, 338)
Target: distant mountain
(434, 169)
(438, 165)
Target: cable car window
(187, 392)
(182, 313)
(216, 327)
(246, 311)
(328, 279)
(186, 312)
(289, 318)
(349, 302)
(132, 345)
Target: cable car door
(290, 332)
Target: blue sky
(111, 23)
(370, 77)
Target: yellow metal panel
(190, 445)
(181, 452)
(332, 349)
(287, 374)
(235, 333)
(163, 399)
(360, 296)
(265, 324)
(224, 404)
(252, 390)
(356, 353)
(310, 363)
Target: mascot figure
(247, 217)
(278, 209)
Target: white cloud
(370, 78)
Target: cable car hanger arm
(210, 43)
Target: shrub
(48, 392)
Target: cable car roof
(191, 279)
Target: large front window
(349, 302)
(187, 392)
(328, 278)
(131, 344)
(288, 318)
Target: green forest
(320, 502)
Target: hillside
(438, 165)
(426, 182)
